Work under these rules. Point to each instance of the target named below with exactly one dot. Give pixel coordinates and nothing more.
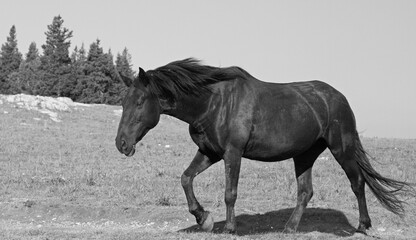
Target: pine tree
(82, 54)
(111, 68)
(78, 66)
(26, 80)
(99, 71)
(55, 62)
(78, 55)
(33, 52)
(74, 54)
(116, 88)
(57, 42)
(10, 59)
(123, 64)
(124, 67)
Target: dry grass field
(66, 180)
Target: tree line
(84, 76)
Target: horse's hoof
(229, 229)
(208, 224)
(363, 227)
(289, 230)
(362, 231)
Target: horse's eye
(140, 101)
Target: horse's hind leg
(343, 146)
(303, 170)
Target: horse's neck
(187, 109)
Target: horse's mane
(188, 77)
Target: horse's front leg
(198, 165)
(232, 161)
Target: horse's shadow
(313, 219)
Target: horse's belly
(273, 154)
(278, 145)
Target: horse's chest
(206, 141)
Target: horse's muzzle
(124, 148)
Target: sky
(364, 48)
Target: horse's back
(288, 118)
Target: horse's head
(141, 112)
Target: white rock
(118, 112)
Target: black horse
(232, 115)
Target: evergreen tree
(57, 43)
(33, 52)
(87, 77)
(78, 73)
(82, 54)
(74, 55)
(117, 88)
(124, 67)
(123, 63)
(111, 68)
(10, 59)
(99, 72)
(27, 79)
(78, 55)
(55, 62)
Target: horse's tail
(385, 189)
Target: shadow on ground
(313, 220)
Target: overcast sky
(365, 49)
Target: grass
(72, 172)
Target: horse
(233, 115)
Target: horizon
(365, 49)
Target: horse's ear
(142, 77)
(128, 81)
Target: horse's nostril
(121, 144)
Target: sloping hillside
(62, 177)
